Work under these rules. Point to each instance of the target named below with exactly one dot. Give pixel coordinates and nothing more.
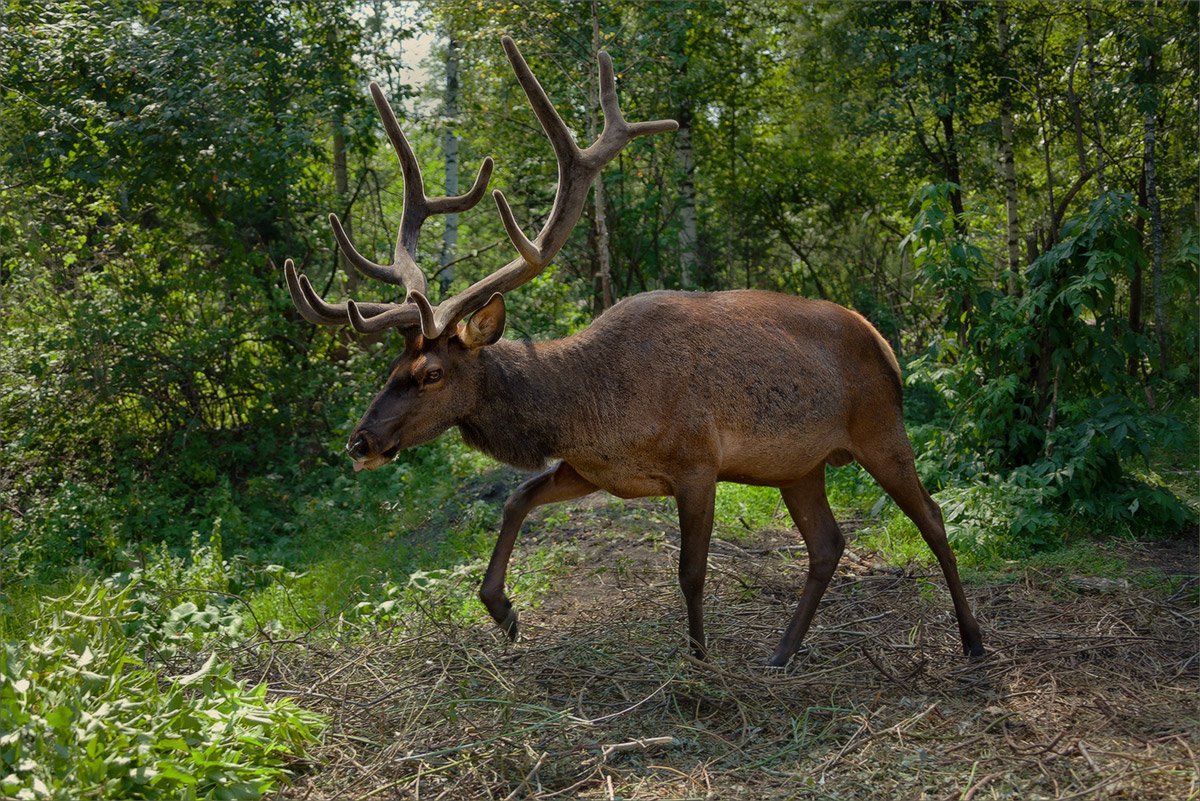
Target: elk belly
(777, 461)
(623, 480)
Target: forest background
(1007, 190)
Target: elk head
(434, 382)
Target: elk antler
(576, 170)
(403, 271)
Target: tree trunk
(450, 153)
(603, 297)
(1135, 283)
(1091, 62)
(1156, 234)
(604, 293)
(1007, 161)
(685, 157)
(1076, 112)
(341, 187)
(1156, 212)
(341, 178)
(952, 164)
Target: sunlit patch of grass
(896, 538)
(414, 526)
(742, 509)
(898, 541)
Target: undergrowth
(121, 689)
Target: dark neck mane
(518, 417)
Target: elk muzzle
(364, 448)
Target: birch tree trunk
(1135, 283)
(603, 298)
(685, 158)
(450, 154)
(1156, 230)
(1091, 63)
(341, 181)
(341, 187)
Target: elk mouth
(361, 448)
(376, 460)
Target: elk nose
(358, 447)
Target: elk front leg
(695, 530)
(560, 483)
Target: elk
(666, 393)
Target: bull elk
(666, 393)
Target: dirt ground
(1088, 691)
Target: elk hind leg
(809, 508)
(893, 467)
(559, 483)
(696, 501)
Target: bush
(1043, 389)
(87, 714)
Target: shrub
(1043, 389)
(85, 713)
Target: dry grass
(1081, 696)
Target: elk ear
(485, 325)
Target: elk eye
(432, 377)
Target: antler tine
(300, 300)
(617, 132)
(428, 325)
(315, 310)
(529, 251)
(403, 273)
(560, 136)
(399, 315)
(576, 171)
(418, 206)
(336, 313)
(458, 203)
(415, 207)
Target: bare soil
(1087, 691)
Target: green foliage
(85, 713)
(1038, 388)
(155, 158)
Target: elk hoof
(777, 661)
(510, 624)
(974, 651)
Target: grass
(601, 699)
(370, 549)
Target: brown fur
(668, 393)
(658, 389)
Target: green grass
(394, 536)
(742, 509)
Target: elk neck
(525, 404)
